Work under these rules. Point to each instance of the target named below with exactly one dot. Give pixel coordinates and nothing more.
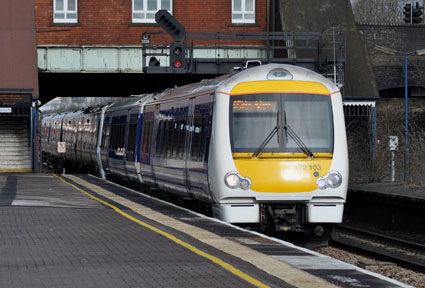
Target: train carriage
(265, 146)
(284, 157)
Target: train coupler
(282, 217)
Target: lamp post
(393, 52)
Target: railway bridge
(389, 69)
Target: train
(265, 146)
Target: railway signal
(177, 32)
(178, 55)
(407, 11)
(417, 13)
(170, 25)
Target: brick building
(98, 44)
(122, 22)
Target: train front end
(280, 153)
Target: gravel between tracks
(391, 271)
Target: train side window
(145, 132)
(117, 135)
(174, 143)
(149, 140)
(132, 137)
(112, 137)
(105, 132)
(121, 136)
(166, 138)
(206, 137)
(170, 137)
(181, 139)
(159, 137)
(147, 136)
(196, 138)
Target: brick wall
(109, 22)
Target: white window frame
(145, 11)
(243, 12)
(66, 12)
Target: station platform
(81, 231)
(393, 190)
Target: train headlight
(321, 183)
(233, 180)
(279, 74)
(332, 180)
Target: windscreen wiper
(289, 131)
(268, 138)
(266, 141)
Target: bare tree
(380, 11)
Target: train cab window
(257, 118)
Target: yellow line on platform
(23, 170)
(210, 257)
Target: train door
(79, 138)
(188, 141)
(117, 143)
(146, 145)
(198, 146)
(104, 145)
(130, 155)
(138, 150)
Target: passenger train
(264, 146)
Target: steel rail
(402, 252)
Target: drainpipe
(268, 27)
(273, 25)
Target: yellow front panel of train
(283, 86)
(277, 175)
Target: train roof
(261, 73)
(257, 73)
(187, 90)
(132, 101)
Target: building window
(144, 10)
(243, 11)
(65, 11)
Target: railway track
(408, 254)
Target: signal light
(417, 12)
(178, 64)
(407, 11)
(178, 55)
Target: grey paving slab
(54, 236)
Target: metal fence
(360, 121)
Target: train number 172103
(309, 167)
